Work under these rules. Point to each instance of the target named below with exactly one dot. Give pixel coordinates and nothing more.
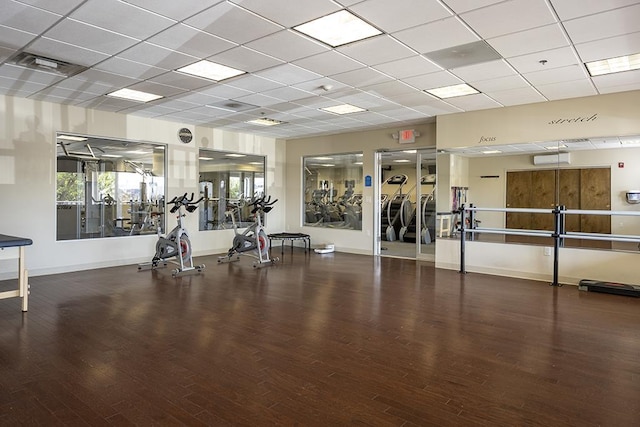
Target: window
(333, 191)
(108, 188)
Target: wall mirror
(108, 187)
(228, 183)
(333, 191)
(595, 174)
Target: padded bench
(23, 282)
(292, 237)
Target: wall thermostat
(185, 135)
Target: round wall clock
(185, 135)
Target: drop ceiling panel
(429, 37)
(224, 91)
(12, 38)
(391, 16)
(26, 18)
(105, 78)
(83, 85)
(609, 48)
(287, 45)
(329, 63)
(556, 75)
(193, 98)
(567, 89)
(190, 41)
(254, 83)
(473, 102)
(500, 84)
(389, 89)
(433, 80)
(287, 93)
(529, 13)
(24, 87)
(5, 53)
(243, 58)
(377, 50)
(66, 52)
(58, 6)
(129, 68)
(570, 9)
(484, 71)
(27, 75)
(89, 37)
(518, 96)
(612, 80)
(66, 96)
(233, 23)
(182, 81)
(259, 100)
(525, 42)
(177, 10)
(157, 56)
(555, 58)
(460, 6)
(123, 18)
(287, 14)
(408, 67)
(316, 86)
(607, 24)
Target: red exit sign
(406, 136)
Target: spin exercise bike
(254, 241)
(176, 243)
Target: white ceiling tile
(12, 38)
(243, 58)
(473, 102)
(59, 6)
(17, 87)
(319, 86)
(26, 18)
(224, 91)
(411, 99)
(609, 48)
(288, 74)
(89, 37)
(484, 71)
(156, 88)
(362, 77)
(509, 17)
(535, 40)
(5, 53)
(388, 89)
(376, 50)
(258, 99)
(129, 68)
(568, 89)
(66, 52)
(182, 81)
(177, 10)
(66, 96)
(233, 23)
(157, 56)
(329, 63)
(556, 75)
(438, 35)
(408, 67)
(287, 45)
(191, 41)
(26, 76)
(619, 88)
(391, 16)
(433, 80)
(603, 25)
(287, 15)
(287, 93)
(81, 84)
(253, 83)
(123, 18)
(618, 79)
(460, 6)
(197, 98)
(500, 84)
(555, 58)
(570, 9)
(517, 96)
(106, 79)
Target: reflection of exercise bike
(176, 243)
(254, 238)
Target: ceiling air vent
(49, 65)
(233, 106)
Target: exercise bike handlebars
(188, 202)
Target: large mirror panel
(228, 183)
(333, 191)
(108, 187)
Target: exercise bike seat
(267, 209)
(191, 208)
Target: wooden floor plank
(336, 339)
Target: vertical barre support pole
(462, 239)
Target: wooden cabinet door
(595, 194)
(569, 196)
(543, 196)
(518, 196)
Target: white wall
(27, 182)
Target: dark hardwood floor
(318, 340)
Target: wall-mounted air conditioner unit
(552, 159)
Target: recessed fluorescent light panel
(235, 155)
(338, 29)
(614, 65)
(555, 147)
(265, 122)
(452, 91)
(134, 95)
(492, 152)
(401, 161)
(343, 109)
(205, 158)
(211, 70)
